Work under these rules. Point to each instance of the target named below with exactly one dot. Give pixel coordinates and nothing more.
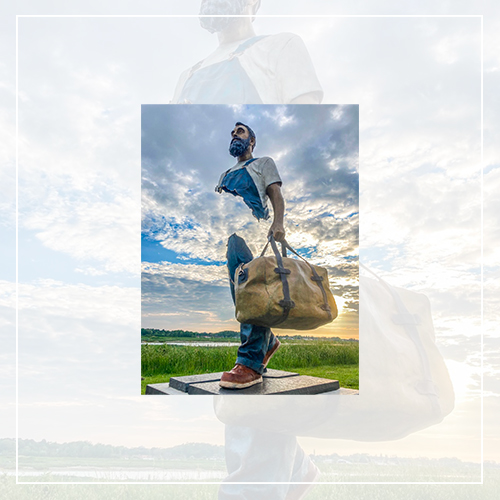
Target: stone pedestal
(274, 382)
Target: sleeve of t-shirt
(269, 172)
(295, 71)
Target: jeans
(256, 456)
(255, 340)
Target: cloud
(282, 115)
(106, 304)
(216, 275)
(89, 229)
(186, 298)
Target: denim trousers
(255, 456)
(255, 340)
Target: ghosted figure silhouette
(246, 68)
(405, 385)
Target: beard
(220, 7)
(238, 146)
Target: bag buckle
(287, 304)
(277, 270)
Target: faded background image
(81, 83)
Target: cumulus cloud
(106, 304)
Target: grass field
(322, 359)
(349, 473)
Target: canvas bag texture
(261, 298)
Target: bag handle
(281, 269)
(315, 277)
(410, 322)
(282, 243)
(287, 303)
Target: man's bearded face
(220, 7)
(238, 146)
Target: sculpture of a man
(256, 180)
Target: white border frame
(262, 16)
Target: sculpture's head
(225, 8)
(242, 139)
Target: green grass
(347, 375)
(169, 359)
(315, 354)
(487, 491)
(160, 379)
(321, 359)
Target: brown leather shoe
(240, 377)
(270, 353)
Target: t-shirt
(250, 179)
(278, 66)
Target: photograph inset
(224, 276)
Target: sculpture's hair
(250, 131)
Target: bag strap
(410, 322)
(283, 272)
(315, 277)
(287, 303)
(283, 248)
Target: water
(196, 344)
(123, 474)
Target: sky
(82, 82)
(185, 223)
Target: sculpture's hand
(278, 231)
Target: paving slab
(163, 389)
(182, 383)
(344, 392)
(300, 384)
(270, 373)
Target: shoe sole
(235, 385)
(272, 352)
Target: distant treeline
(200, 451)
(31, 448)
(153, 333)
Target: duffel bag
(283, 292)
